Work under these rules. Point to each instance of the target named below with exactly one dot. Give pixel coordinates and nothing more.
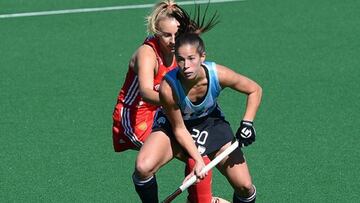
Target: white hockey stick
(208, 167)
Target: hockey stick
(208, 167)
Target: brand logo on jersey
(142, 126)
(157, 87)
(161, 120)
(201, 149)
(121, 141)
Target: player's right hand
(199, 166)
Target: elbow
(259, 92)
(256, 92)
(143, 94)
(149, 96)
(259, 89)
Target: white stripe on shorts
(125, 121)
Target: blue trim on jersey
(189, 110)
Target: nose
(173, 39)
(186, 64)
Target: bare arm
(145, 65)
(229, 78)
(173, 113)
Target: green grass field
(60, 76)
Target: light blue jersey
(188, 109)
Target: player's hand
(246, 133)
(199, 166)
(189, 176)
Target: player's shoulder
(145, 51)
(220, 67)
(222, 70)
(224, 74)
(212, 65)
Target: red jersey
(129, 95)
(133, 117)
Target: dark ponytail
(198, 23)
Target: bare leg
(235, 169)
(157, 150)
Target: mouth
(187, 74)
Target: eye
(179, 59)
(164, 34)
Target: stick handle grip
(210, 165)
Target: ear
(202, 57)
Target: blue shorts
(209, 133)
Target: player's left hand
(189, 176)
(193, 173)
(246, 133)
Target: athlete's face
(189, 60)
(168, 28)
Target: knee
(249, 195)
(246, 189)
(144, 167)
